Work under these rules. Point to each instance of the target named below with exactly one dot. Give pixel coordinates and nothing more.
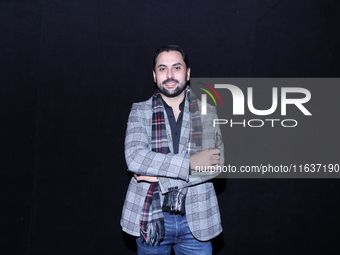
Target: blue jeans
(178, 236)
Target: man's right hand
(207, 158)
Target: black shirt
(175, 126)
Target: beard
(172, 93)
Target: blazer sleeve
(141, 159)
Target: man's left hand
(145, 178)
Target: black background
(70, 71)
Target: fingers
(207, 157)
(215, 157)
(145, 178)
(214, 151)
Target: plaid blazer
(202, 211)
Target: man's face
(171, 74)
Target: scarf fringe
(174, 202)
(154, 232)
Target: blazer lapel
(186, 126)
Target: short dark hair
(168, 48)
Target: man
(168, 204)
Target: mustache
(170, 80)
